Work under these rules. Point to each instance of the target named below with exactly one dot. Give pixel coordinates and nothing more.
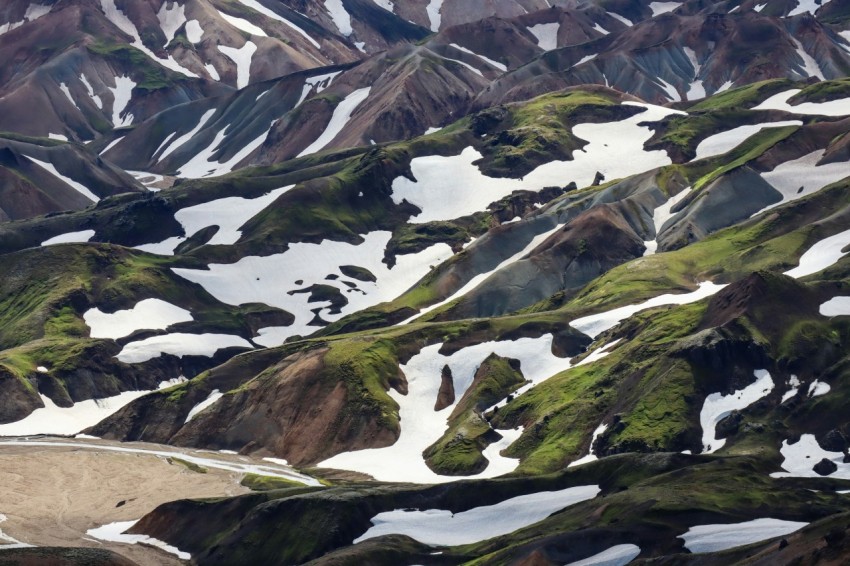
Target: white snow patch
(481, 277)
(585, 59)
(810, 67)
(434, 17)
(720, 143)
(803, 176)
(836, 306)
(319, 82)
(617, 16)
(148, 314)
(64, 88)
(115, 532)
(122, 22)
(187, 136)
(35, 11)
(122, 92)
(840, 107)
(714, 538)
(718, 406)
(440, 527)
(194, 31)
(244, 25)
(670, 90)
(69, 181)
(600, 29)
(96, 99)
(794, 384)
(229, 214)
(258, 279)
(171, 19)
(591, 457)
(821, 255)
(385, 4)
(342, 113)
(213, 72)
(340, 17)
(112, 144)
(421, 425)
(450, 187)
(663, 7)
(214, 396)
(70, 238)
(9, 543)
(660, 216)
(242, 57)
(255, 5)
(55, 420)
(809, 6)
(598, 353)
(619, 555)
(179, 344)
(595, 324)
(818, 388)
(42, 369)
(496, 64)
(800, 459)
(724, 87)
(432, 130)
(760, 7)
(59, 137)
(547, 35)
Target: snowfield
(421, 425)
(800, 459)
(116, 532)
(619, 555)
(444, 528)
(801, 177)
(70, 238)
(839, 107)
(341, 115)
(179, 344)
(836, 306)
(821, 255)
(714, 538)
(718, 406)
(258, 279)
(149, 314)
(451, 187)
(546, 34)
(720, 143)
(660, 216)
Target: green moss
(191, 466)
(742, 97)
(256, 482)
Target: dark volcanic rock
(825, 467)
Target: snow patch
(122, 92)
(818, 388)
(619, 555)
(663, 7)
(194, 31)
(590, 455)
(58, 137)
(660, 216)
(421, 425)
(256, 6)
(319, 82)
(489, 61)
(96, 99)
(342, 113)
(450, 187)
(148, 314)
(80, 188)
(242, 57)
(67, 92)
(600, 29)
(598, 353)
(836, 306)
(179, 344)
(116, 532)
(803, 176)
(171, 19)
(714, 538)
(547, 35)
(243, 24)
(340, 17)
(840, 107)
(622, 19)
(810, 6)
(258, 279)
(810, 67)
(800, 458)
(70, 238)
(821, 255)
(187, 136)
(214, 396)
(718, 406)
(720, 143)
(444, 528)
(595, 324)
(433, 10)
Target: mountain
(395, 281)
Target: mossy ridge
(823, 91)
(149, 76)
(257, 482)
